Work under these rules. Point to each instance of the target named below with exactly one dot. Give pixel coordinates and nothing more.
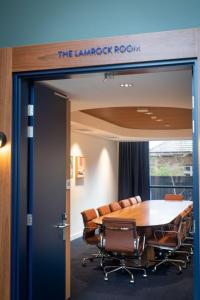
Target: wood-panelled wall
(68, 147)
(5, 171)
(153, 47)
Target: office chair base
(124, 268)
(190, 246)
(115, 269)
(184, 252)
(92, 257)
(174, 262)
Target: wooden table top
(150, 213)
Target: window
(188, 170)
(171, 168)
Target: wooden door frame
(141, 48)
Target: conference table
(151, 213)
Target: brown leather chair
(90, 234)
(89, 215)
(175, 197)
(115, 206)
(187, 216)
(138, 198)
(122, 242)
(133, 200)
(103, 210)
(124, 203)
(170, 241)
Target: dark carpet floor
(87, 283)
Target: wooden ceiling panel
(129, 117)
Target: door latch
(63, 226)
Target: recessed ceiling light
(153, 117)
(126, 85)
(167, 125)
(149, 113)
(142, 110)
(159, 120)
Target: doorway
(26, 81)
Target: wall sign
(106, 50)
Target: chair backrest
(174, 197)
(173, 238)
(133, 200)
(88, 215)
(103, 210)
(120, 235)
(176, 223)
(138, 198)
(124, 203)
(180, 226)
(115, 206)
(182, 229)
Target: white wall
(101, 179)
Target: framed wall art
(80, 167)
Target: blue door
(47, 195)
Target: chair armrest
(167, 231)
(119, 228)
(142, 239)
(163, 232)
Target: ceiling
(166, 93)
(154, 118)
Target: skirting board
(76, 235)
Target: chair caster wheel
(84, 263)
(184, 267)
(154, 270)
(131, 281)
(106, 278)
(179, 271)
(188, 257)
(144, 275)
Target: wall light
(3, 139)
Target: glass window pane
(171, 168)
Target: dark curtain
(133, 176)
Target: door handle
(62, 226)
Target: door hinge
(30, 132)
(192, 102)
(61, 95)
(30, 110)
(68, 184)
(29, 219)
